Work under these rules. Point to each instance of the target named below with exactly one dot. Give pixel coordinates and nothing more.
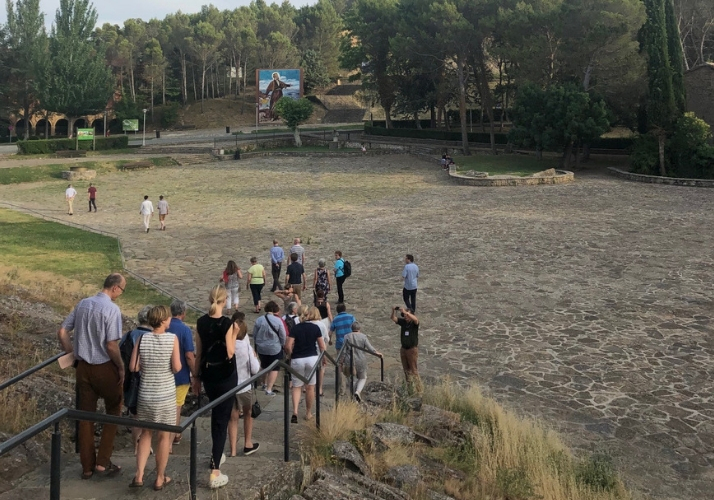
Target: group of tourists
(152, 367)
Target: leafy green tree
(177, 30)
(204, 42)
(294, 112)
(76, 80)
(370, 25)
(240, 40)
(154, 65)
(315, 72)
(676, 58)
(557, 118)
(319, 29)
(27, 44)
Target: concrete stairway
(342, 107)
(260, 476)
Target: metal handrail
(352, 370)
(72, 414)
(30, 371)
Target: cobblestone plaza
(588, 305)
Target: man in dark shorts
(409, 352)
(295, 276)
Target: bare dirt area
(587, 305)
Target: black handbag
(256, 410)
(131, 397)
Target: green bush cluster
(598, 472)
(688, 152)
(52, 145)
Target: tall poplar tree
(76, 81)
(661, 104)
(676, 57)
(27, 42)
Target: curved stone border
(656, 179)
(561, 177)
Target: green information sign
(85, 134)
(130, 125)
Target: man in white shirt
(69, 195)
(163, 207)
(146, 211)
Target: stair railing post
(352, 371)
(194, 459)
(286, 412)
(317, 396)
(55, 465)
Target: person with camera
(409, 352)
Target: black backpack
(126, 347)
(347, 269)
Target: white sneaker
(223, 460)
(218, 481)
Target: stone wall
(560, 177)
(656, 179)
(699, 83)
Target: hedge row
(439, 135)
(481, 137)
(52, 145)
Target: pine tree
(77, 81)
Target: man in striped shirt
(341, 326)
(97, 325)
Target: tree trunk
(417, 123)
(26, 110)
(184, 86)
(565, 161)
(660, 141)
(432, 112)
(387, 117)
(152, 98)
(462, 106)
(485, 91)
(163, 87)
(539, 154)
(203, 83)
(131, 84)
(586, 152)
(577, 156)
(193, 77)
(296, 136)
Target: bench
(185, 127)
(71, 153)
(137, 165)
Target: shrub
(52, 145)
(169, 115)
(439, 135)
(514, 484)
(645, 155)
(598, 473)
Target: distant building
(699, 83)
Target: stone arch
(41, 125)
(61, 126)
(19, 127)
(114, 126)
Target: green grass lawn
(16, 175)
(524, 165)
(62, 251)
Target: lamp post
(257, 114)
(143, 139)
(105, 122)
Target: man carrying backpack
(341, 274)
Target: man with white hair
(69, 195)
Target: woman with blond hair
(156, 355)
(216, 368)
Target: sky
(116, 12)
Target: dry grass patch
(515, 458)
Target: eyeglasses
(120, 288)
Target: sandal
(293, 419)
(177, 440)
(136, 484)
(111, 470)
(87, 475)
(167, 481)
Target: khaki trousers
(94, 382)
(410, 357)
(70, 205)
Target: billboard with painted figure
(274, 84)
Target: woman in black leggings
(215, 350)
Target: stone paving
(586, 305)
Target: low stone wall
(560, 177)
(656, 179)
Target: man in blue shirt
(277, 256)
(187, 354)
(341, 326)
(410, 275)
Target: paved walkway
(588, 305)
